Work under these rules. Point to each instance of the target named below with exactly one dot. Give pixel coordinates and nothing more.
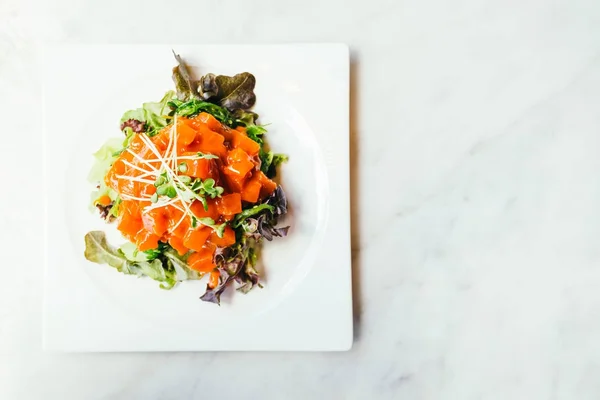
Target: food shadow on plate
(288, 220)
(354, 195)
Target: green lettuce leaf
(270, 161)
(167, 267)
(241, 217)
(153, 269)
(180, 267)
(104, 158)
(99, 251)
(154, 114)
(131, 253)
(245, 118)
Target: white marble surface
(476, 201)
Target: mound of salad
(191, 186)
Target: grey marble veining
(476, 146)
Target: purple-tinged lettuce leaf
(278, 201)
(184, 84)
(255, 210)
(232, 92)
(213, 295)
(136, 125)
(268, 231)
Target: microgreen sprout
(185, 179)
(160, 180)
(207, 187)
(206, 156)
(219, 229)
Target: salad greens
(228, 99)
(232, 92)
(165, 266)
(185, 85)
(153, 116)
(195, 106)
(103, 160)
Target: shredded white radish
(170, 173)
(160, 204)
(171, 131)
(168, 165)
(140, 159)
(130, 165)
(179, 158)
(174, 149)
(128, 197)
(135, 179)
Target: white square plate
(303, 93)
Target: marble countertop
(476, 144)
